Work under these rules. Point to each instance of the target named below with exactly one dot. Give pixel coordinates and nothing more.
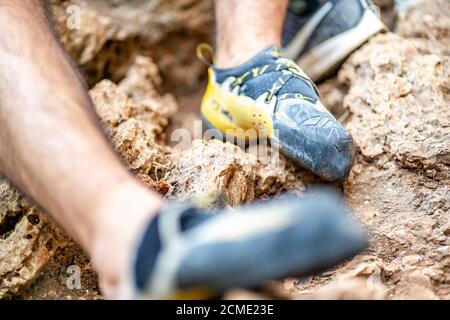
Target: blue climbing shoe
(320, 35)
(271, 97)
(186, 253)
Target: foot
(271, 97)
(320, 37)
(186, 253)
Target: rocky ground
(393, 94)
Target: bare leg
(52, 148)
(244, 27)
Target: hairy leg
(52, 147)
(244, 27)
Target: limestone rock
(27, 240)
(428, 20)
(221, 172)
(135, 121)
(400, 185)
(109, 34)
(399, 98)
(395, 91)
(213, 169)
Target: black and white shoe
(319, 37)
(186, 253)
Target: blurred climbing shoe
(186, 253)
(271, 97)
(320, 36)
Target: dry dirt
(393, 94)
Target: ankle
(123, 221)
(230, 56)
